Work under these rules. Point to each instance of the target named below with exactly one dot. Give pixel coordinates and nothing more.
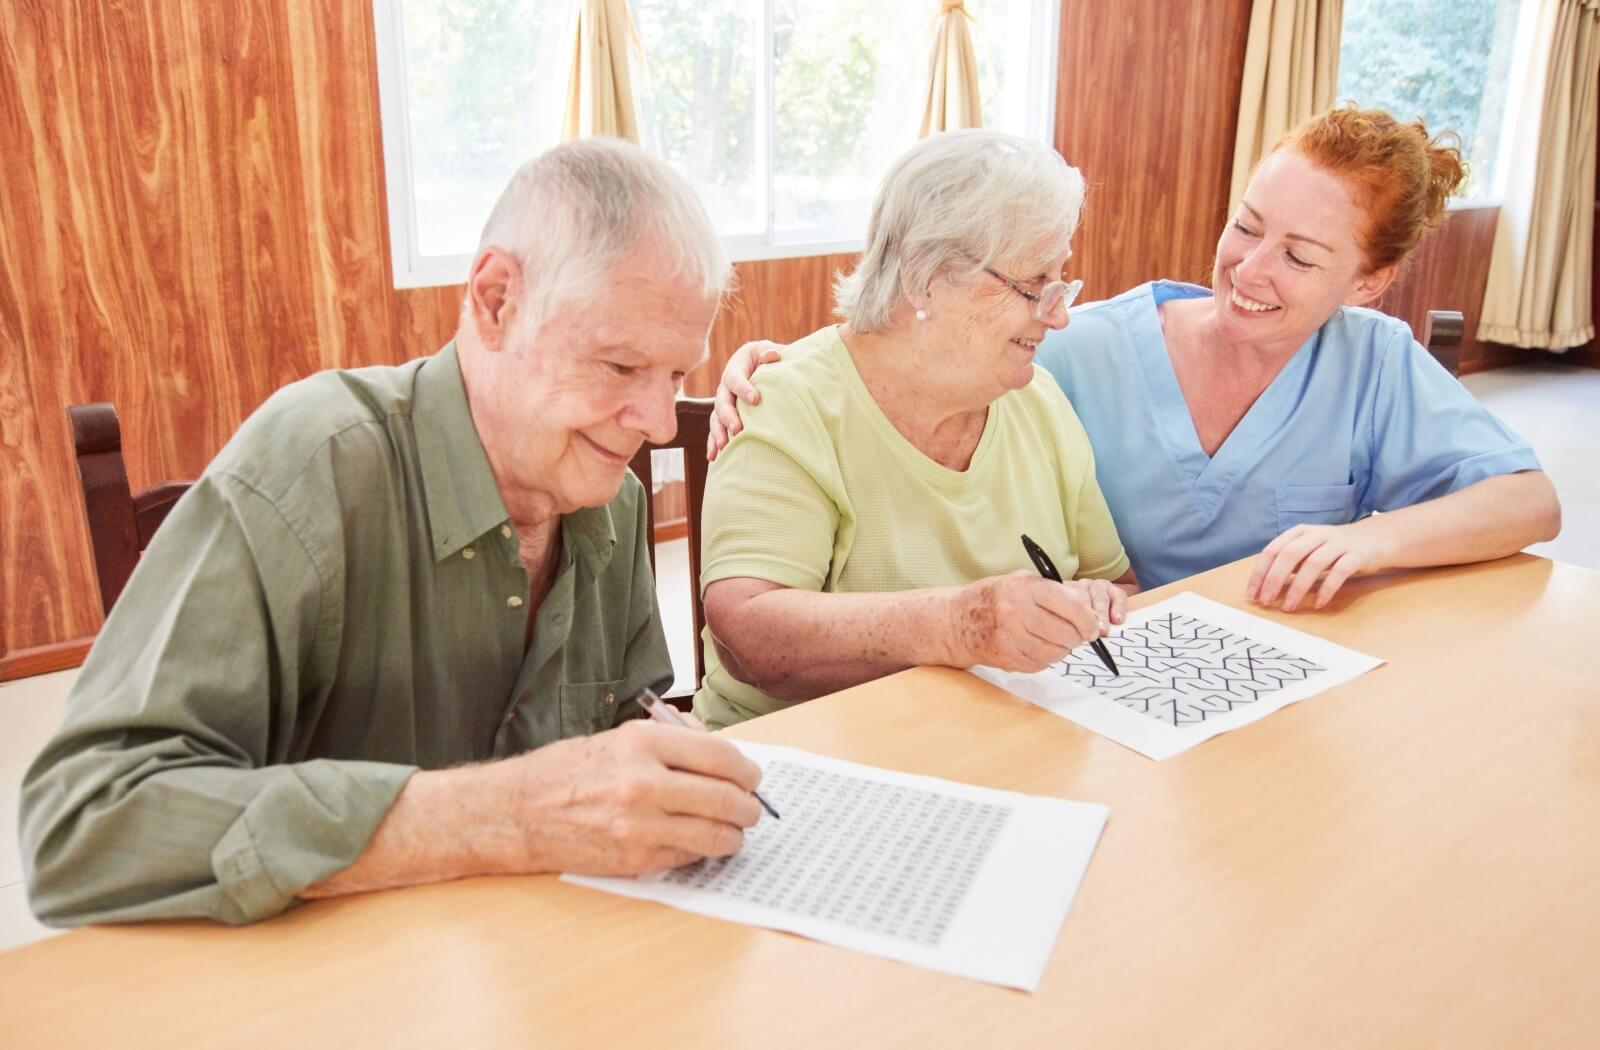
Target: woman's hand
(1024, 622)
(1294, 562)
(1109, 602)
(735, 387)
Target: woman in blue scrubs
(1273, 412)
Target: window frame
(412, 269)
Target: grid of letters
(879, 857)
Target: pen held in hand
(661, 711)
(1047, 569)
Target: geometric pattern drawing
(885, 858)
(1181, 670)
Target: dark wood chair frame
(694, 427)
(1442, 333)
(121, 522)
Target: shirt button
(511, 716)
(513, 602)
(611, 698)
(468, 553)
(505, 530)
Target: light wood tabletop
(1410, 859)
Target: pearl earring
(922, 315)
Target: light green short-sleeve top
(821, 492)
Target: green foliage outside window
(1445, 61)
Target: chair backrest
(694, 427)
(120, 522)
(1442, 334)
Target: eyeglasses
(1053, 296)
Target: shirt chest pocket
(1316, 505)
(589, 707)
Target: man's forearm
(436, 830)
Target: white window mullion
(766, 115)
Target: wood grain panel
(1147, 104)
(1448, 272)
(777, 299)
(193, 216)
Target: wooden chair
(120, 522)
(1442, 334)
(694, 427)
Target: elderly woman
(868, 516)
(1272, 413)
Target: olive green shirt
(337, 602)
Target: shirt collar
(459, 489)
(591, 535)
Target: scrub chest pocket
(1316, 505)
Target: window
(783, 114)
(1446, 61)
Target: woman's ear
(1370, 286)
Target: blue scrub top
(1361, 419)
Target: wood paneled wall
(1147, 104)
(192, 215)
(1448, 272)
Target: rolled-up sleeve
(171, 789)
(1430, 437)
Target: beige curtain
(953, 99)
(1539, 292)
(1291, 70)
(599, 88)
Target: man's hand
(1023, 622)
(1294, 562)
(640, 798)
(737, 386)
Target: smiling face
(563, 409)
(1291, 255)
(990, 326)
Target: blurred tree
(1445, 61)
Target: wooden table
(1411, 859)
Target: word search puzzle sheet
(1191, 668)
(966, 880)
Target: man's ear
(494, 291)
(1371, 286)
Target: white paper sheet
(965, 880)
(1191, 669)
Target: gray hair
(572, 212)
(952, 204)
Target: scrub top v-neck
(1360, 419)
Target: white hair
(572, 212)
(952, 204)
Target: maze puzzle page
(1182, 670)
(967, 880)
(1190, 668)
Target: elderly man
(391, 574)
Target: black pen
(1047, 569)
(662, 711)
